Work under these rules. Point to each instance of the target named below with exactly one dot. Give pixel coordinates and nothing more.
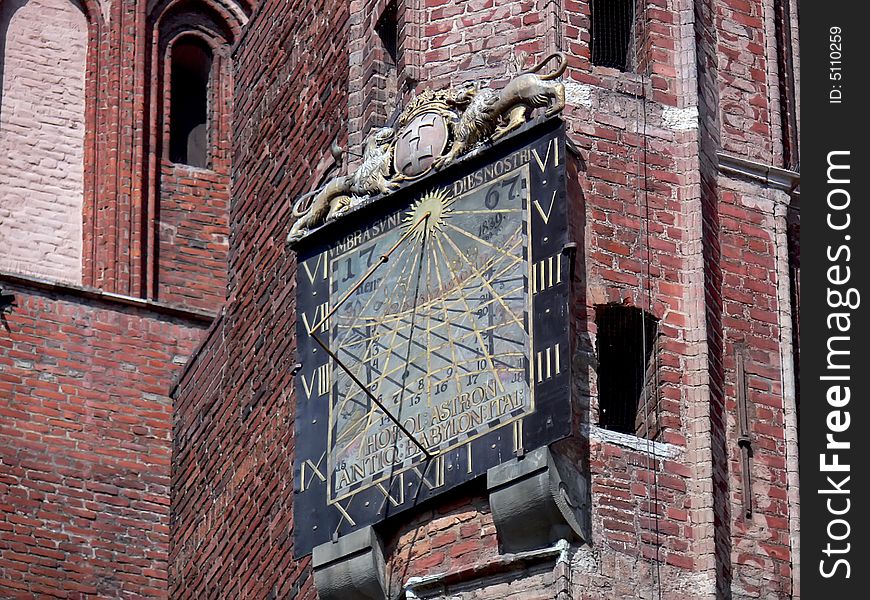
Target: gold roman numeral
(319, 271)
(388, 496)
(542, 164)
(546, 273)
(468, 452)
(344, 514)
(319, 313)
(314, 469)
(320, 378)
(548, 363)
(545, 216)
(518, 434)
(438, 468)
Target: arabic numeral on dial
(517, 377)
(416, 399)
(472, 379)
(492, 198)
(421, 383)
(490, 226)
(483, 310)
(511, 184)
(440, 388)
(349, 274)
(369, 254)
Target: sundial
(432, 328)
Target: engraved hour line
(381, 260)
(352, 376)
(379, 381)
(339, 341)
(386, 374)
(404, 386)
(479, 338)
(501, 251)
(402, 260)
(495, 279)
(452, 322)
(373, 321)
(374, 338)
(449, 338)
(470, 331)
(459, 364)
(547, 273)
(548, 367)
(414, 315)
(485, 211)
(483, 279)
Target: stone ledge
(537, 500)
(350, 568)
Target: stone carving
(491, 114)
(334, 198)
(434, 130)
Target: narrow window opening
(612, 33)
(387, 29)
(386, 78)
(189, 102)
(627, 378)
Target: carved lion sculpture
(493, 114)
(333, 199)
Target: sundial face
(447, 356)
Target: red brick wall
(84, 444)
(85, 371)
(655, 233)
(193, 237)
(233, 427)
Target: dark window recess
(612, 33)
(189, 104)
(627, 378)
(387, 29)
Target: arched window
(189, 102)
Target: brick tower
(685, 120)
(147, 363)
(115, 137)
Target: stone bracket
(351, 567)
(537, 500)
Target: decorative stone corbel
(350, 568)
(537, 500)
